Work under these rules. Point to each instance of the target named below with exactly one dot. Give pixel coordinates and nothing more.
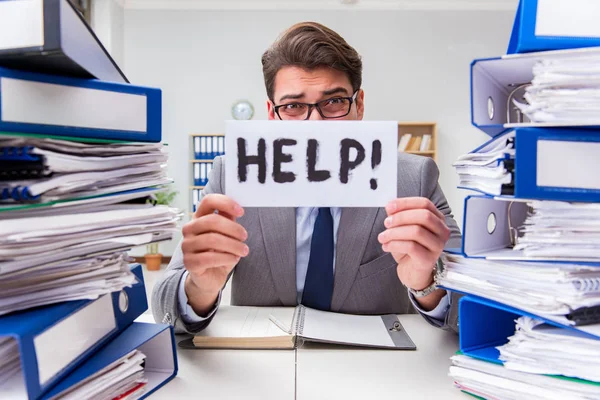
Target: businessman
(348, 260)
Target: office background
(204, 57)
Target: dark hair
(310, 45)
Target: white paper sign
(311, 163)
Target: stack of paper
(124, 380)
(552, 290)
(493, 381)
(11, 364)
(564, 91)
(561, 230)
(489, 168)
(80, 174)
(55, 258)
(70, 169)
(540, 348)
(526, 256)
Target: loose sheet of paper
(311, 163)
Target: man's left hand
(415, 236)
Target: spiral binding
(587, 285)
(17, 193)
(300, 320)
(13, 153)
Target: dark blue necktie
(318, 286)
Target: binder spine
(201, 171)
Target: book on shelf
(404, 141)
(416, 144)
(410, 143)
(425, 143)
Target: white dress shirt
(305, 222)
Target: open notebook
(281, 328)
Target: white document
(485, 169)
(311, 163)
(367, 330)
(540, 348)
(80, 149)
(60, 162)
(38, 241)
(83, 169)
(564, 91)
(543, 288)
(96, 203)
(16, 230)
(494, 381)
(75, 280)
(561, 230)
(69, 182)
(250, 322)
(112, 381)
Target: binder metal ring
(123, 302)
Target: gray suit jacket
(365, 279)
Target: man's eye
(337, 100)
(293, 106)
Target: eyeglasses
(335, 107)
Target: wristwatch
(438, 268)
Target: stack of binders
(529, 266)
(80, 163)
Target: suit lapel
(279, 233)
(353, 234)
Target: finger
(220, 203)
(227, 215)
(414, 250)
(215, 223)
(420, 217)
(412, 203)
(215, 242)
(200, 262)
(415, 233)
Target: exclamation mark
(375, 161)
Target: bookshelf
(418, 130)
(204, 147)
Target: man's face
(298, 85)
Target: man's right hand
(212, 246)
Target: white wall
(416, 67)
(107, 22)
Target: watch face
(242, 110)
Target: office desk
(321, 371)
(232, 374)
(331, 372)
